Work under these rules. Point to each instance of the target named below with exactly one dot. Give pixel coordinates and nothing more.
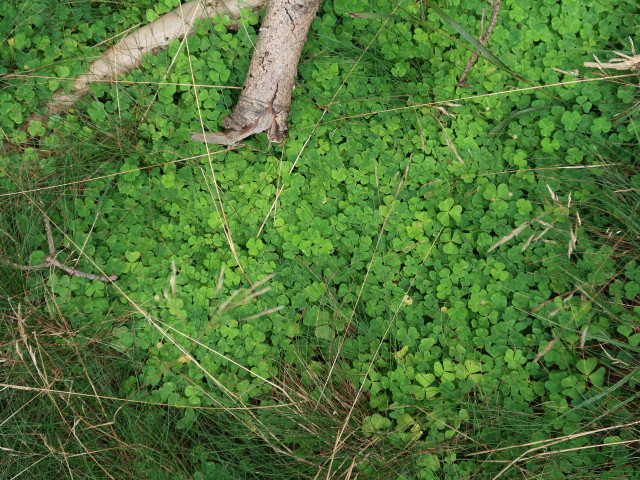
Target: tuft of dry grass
(61, 414)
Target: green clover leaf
(449, 211)
(571, 120)
(601, 125)
(132, 256)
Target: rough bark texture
(266, 95)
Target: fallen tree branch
(127, 54)
(495, 8)
(265, 99)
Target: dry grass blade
(448, 140)
(545, 350)
(515, 232)
(71, 393)
(219, 206)
(528, 242)
(353, 311)
(544, 444)
(268, 311)
(573, 240)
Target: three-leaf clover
(571, 119)
(449, 211)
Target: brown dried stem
(495, 8)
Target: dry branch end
(622, 62)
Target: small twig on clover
(495, 8)
(449, 141)
(74, 272)
(50, 260)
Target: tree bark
(265, 99)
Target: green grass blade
(499, 128)
(604, 393)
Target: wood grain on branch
(265, 99)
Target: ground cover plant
(423, 281)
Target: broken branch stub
(265, 99)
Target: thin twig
(74, 272)
(495, 8)
(24, 268)
(622, 62)
(51, 261)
